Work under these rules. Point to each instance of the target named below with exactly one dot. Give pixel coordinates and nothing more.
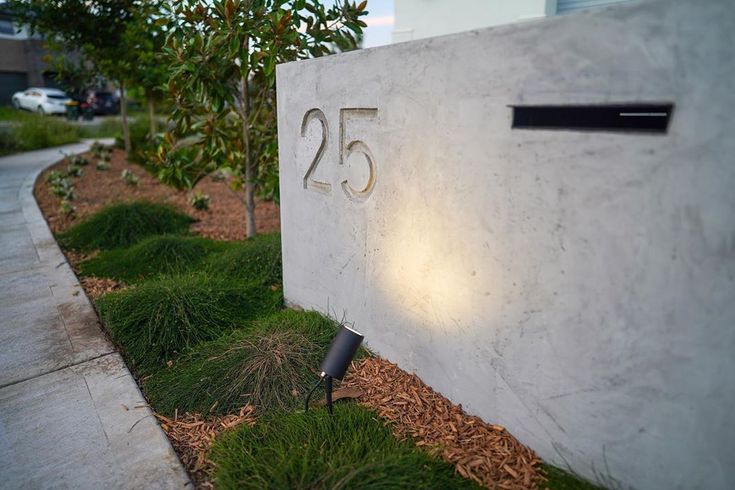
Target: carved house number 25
(346, 148)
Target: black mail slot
(644, 118)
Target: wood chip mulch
(192, 435)
(486, 453)
(97, 286)
(95, 189)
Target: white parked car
(41, 100)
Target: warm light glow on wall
(427, 268)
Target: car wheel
(40, 110)
(16, 104)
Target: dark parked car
(102, 102)
(105, 102)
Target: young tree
(223, 55)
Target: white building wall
(576, 287)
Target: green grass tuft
(351, 449)
(159, 319)
(558, 479)
(270, 364)
(162, 254)
(122, 225)
(258, 259)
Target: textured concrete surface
(71, 414)
(576, 287)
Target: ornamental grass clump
(256, 259)
(122, 225)
(159, 319)
(270, 364)
(350, 449)
(160, 254)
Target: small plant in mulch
(67, 208)
(269, 364)
(159, 319)
(159, 254)
(199, 201)
(74, 171)
(122, 225)
(98, 149)
(77, 161)
(103, 165)
(350, 449)
(129, 177)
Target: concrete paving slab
(84, 427)
(71, 414)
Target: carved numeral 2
(346, 148)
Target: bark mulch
(95, 189)
(483, 452)
(192, 435)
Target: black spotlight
(338, 358)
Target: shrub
(270, 364)
(121, 225)
(351, 449)
(160, 254)
(159, 319)
(103, 165)
(129, 177)
(256, 259)
(74, 171)
(199, 200)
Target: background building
(22, 62)
(417, 19)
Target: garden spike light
(335, 363)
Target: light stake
(335, 363)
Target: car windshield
(57, 96)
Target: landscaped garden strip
(201, 324)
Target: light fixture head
(340, 353)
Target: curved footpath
(71, 414)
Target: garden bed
(95, 189)
(201, 323)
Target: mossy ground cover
(159, 319)
(153, 256)
(122, 225)
(269, 363)
(351, 449)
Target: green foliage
(129, 177)
(199, 200)
(558, 479)
(158, 319)
(103, 165)
(270, 364)
(351, 449)
(74, 171)
(160, 254)
(223, 55)
(257, 259)
(121, 225)
(29, 131)
(60, 185)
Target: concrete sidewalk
(71, 414)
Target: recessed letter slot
(636, 118)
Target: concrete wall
(576, 287)
(418, 19)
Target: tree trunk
(152, 116)
(249, 164)
(124, 118)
